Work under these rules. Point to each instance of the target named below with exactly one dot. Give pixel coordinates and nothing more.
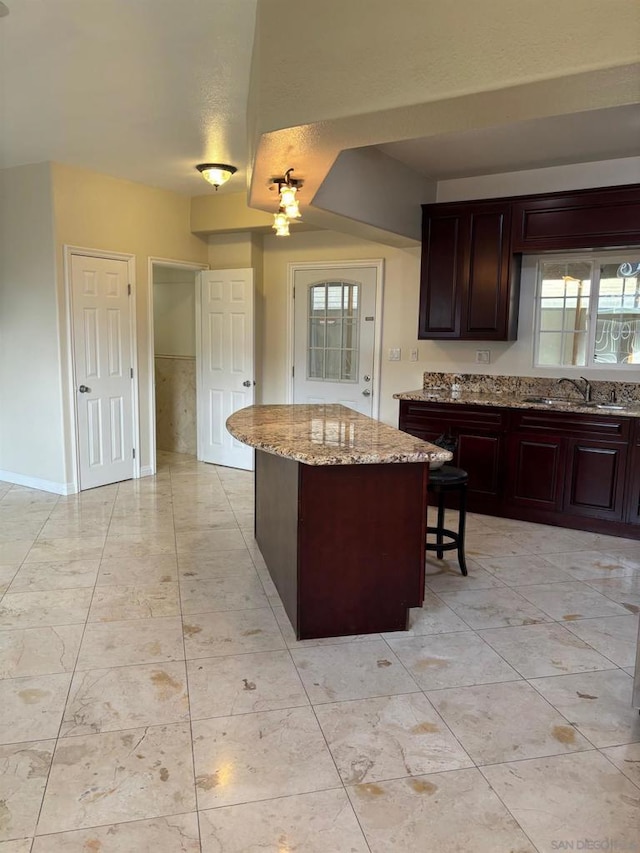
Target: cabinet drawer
(422, 414)
(567, 423)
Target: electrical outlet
(413, 355)
(394, 354)
(483, 356)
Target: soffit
(550, 141)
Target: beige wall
(400, 324)
(99, 212)
(401, 293)
(31, 414)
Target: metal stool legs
(456, 538)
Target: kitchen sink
(549, 401)
(563, 401)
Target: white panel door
(226, 363)
(101, 311)
(334, 336)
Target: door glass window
(333, 321)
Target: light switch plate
(413, 355)
(483, 356)
(394, 354)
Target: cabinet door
(440, 276)
(535, 469)
(632, 501)
(490, 275)
(481, 456)
(595, 478)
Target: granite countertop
(328, 435)
(431, 395)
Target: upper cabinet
(471, 253)
(469, 278)
(587, 219)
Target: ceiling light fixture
(281, 224)
(288, 207)
(216, 173)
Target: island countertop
(328, 435)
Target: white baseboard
(37, 483)
(147, 471)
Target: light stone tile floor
(154, 699)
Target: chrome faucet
(584, 392)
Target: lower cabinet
(576, 470)
(594, 484)
(480, 434)
(534, 471)
(632, 500)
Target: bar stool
(442, 481)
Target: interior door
(334, 336)
(226, 374)
(101, 311)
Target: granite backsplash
(523, 386)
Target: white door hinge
(129, 289)
(134, 453)
(131, 372)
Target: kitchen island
(340, 515)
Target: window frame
(596, 260)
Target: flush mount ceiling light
(216, 173)
(287, 204)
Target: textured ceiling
(139, 89)
(146, 89)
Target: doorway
(335, 334)
(174, 358)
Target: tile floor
(154, 698)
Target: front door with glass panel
(334, 336)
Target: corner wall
(31, 414)
(96, 211)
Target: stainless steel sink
(563, 401)
(549, 401)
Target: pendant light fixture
(288, 207)
(216, 173)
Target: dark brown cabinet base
(344, 544)
(571, 470)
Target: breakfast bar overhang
(340, 515)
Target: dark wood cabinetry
(535, 465)
(632, 500)
(479, 433)
(559, 468)
(471, 253)
(469, 278)
(594, 483)
(584, 219)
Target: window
(333, 331)
(588, 310)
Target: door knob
(366, 393)
(83, 389)
(248, 383)
(367, 378)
